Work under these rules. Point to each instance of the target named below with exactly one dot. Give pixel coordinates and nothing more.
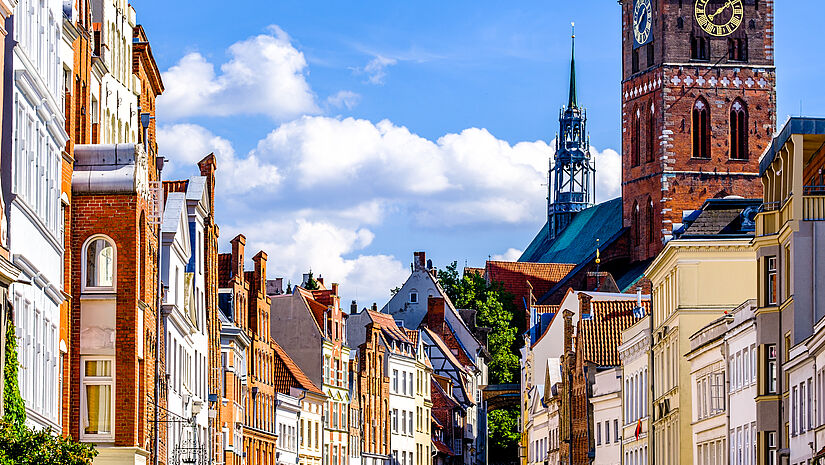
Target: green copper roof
(578, 241)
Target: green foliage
(15, 409)
(311, 284)
(494, 307)
(20, 445)
(504, 436)
(394, 291)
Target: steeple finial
(573, 102)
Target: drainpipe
(159, 304)
(651, 436)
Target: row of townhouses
(683, 323)
(135, 334)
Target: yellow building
(708, 269)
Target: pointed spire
(573, 102)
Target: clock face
(719, 17)
(642, 21)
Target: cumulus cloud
(608, 174)
(344, 99)
(510, 255)
(265, 74)
(376, 69)
(186, 144)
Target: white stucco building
(636, 378)
(287, 412)
(184, 313)
(607, 416)
(742, 356)
(708, 372)
(36, 138)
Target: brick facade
(374, 390)
(659, 97)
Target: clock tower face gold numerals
(719, 17)
(642, 21)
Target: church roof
(578, 241)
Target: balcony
(813, 203)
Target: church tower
(698, 109)
(572, 170)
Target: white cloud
(265, 75)
(344, 99)
(608, 174)
(186, 144)
(376, 69)
(510, 255)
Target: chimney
(419, 260)
(374, 307)
(639, 296)
(260, 270)
(435, 313)
(353, 307)
(568, 331)
(208, 166)
(584, 304)
(335, 289)
(238, 244)
(320, 280)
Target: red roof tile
(443, 448)
(471, 270)
(389, 327)
(288, 374)
(224, 269)
(514, 276)
(600, 336)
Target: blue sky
(350, 134)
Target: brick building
(698, 109)
(374, 391)
(232, 393)
(245, 303)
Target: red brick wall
(673, 180)
(374, 388)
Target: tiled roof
(316, 308)
(542, 309)
(411, 334)
(443, 448)
(600, 335)
(224, 269)
(436, 423)
(441, 398)
(471, 270)
(515, 276)
(388, 326)
(578, 240)
(442, 346)
(289, 375)
(721, 217)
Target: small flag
(638, 429)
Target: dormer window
(99, 264)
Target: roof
(443, 448)
(224, 269)
(578, 241)
(797, 125)
(470, 270)
(442, 346)
(388, 327)
(515, 276)
(728, 217)
(412, 335)
(600, 335)
(288, 374)
(542, 309)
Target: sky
(351, 134)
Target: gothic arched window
(637, 136)
(701, 129)
(738, 130)
(635, 224)
(650, 221)
(99, 263)
(651, 135)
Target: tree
(504, 435)
(311, 284)
(20, 445)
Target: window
(770, 369)
(650, 55)
(99, 263)
(404, 382)
(97, 398)
(635, 224)
(770, 280)
(410, 422)
(700, 128)
(699, 48)
(394, 380)
(635, 60)
(616, 430)
(395, 420)
(598, 434)
(413, 297)
(651, 135)
(738, 49)
(607, 432)
(738, 131)
(771, 447)
(651, 223)
(637, 138)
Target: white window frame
(97, 382)
(83, 259)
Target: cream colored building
(708, 375)
(708, 269)
(310, 428)
(635, 355)
(607, 416)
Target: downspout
(651, 436)
(159, 303)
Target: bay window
(97, 400)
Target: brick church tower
(698, 108)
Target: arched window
(635, 224)
(701, 129)
(99, 263)
(651, 135)
(637, 136)
(738, 130)
(650, 221)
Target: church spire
(573, 102)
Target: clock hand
(720, 10)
